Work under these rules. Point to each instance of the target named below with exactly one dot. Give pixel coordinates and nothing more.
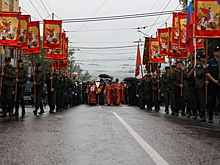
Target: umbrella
(104, 76)
(130, 79)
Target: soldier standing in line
(58, 93)
(200, 84)
(191, 92)
(51, 81)
(21, 84)
(148, 91)
(140, 94)
(62, 92)
(171, 90)
(8, 83)
(212, 74)
(156, 85)
(39, 77)
(165, 88)
(66, 81)
(178, 87)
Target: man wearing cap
(8, 82)
(190, 91)
(212, 74)
(66, 81)
(156, 86)
(148, 91)
(200, 87)
(21, 81)
(38, 79)
(58, 93)
(51, 81)
(165, 88)
(178, 82)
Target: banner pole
(34, 78)
(16, 76)
(206, 79)
(3, 60)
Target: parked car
(28, 93)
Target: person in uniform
(66, 90)
(171, 90)
(140, 94)
(123, 90)
(62, 90)
(165, 89)
(58, 92)
(21, 84)
(200, 87)
(178, 87)
(148, 92)
(191, 91)
(212, 74)
(51, 81)
(156, 86)
(38, 79)
(8, 82)
(109, 93)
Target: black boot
(16, 111)
(41, 110)
(10, 110)
(176, 112)
(167, 110)
(35, 111)
(173, 111)
(188, 112)
(52, 109)
(183, 113)
(3, 112)
(23, 110)
(194, 113)
(203, 116)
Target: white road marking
(149, 150)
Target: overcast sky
(104, 33)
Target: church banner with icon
(9, 25)
(52, 34)
(182, 30)
(155, 56)
(33, 38)
(207, 18)
(163, 36)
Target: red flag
(52, 34)
(175, 30)
(207, 19)
(138, 62)
(33, 38)
(155, 56)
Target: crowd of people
(180, 89)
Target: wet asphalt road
(85, 135)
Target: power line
(49, 6)
(36, 10)
(116, 47)
(90, 17)
(29, 14)
(159, 16)
(41, 7)
(45, 7)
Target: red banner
(9, 24)
(175, 30)
(174, 51)
(182, 30)
(52, 34)
(61, 64)
(57, 54)
(163, 36)
(200, 43)
(33, 38)
(155, 56)
(22, 33)
(207, 18)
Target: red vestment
(109, 93)
(92, 94)
(117, 93)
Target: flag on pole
(138, 62)
(182, 30)
(190, 28)
(155, 56)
